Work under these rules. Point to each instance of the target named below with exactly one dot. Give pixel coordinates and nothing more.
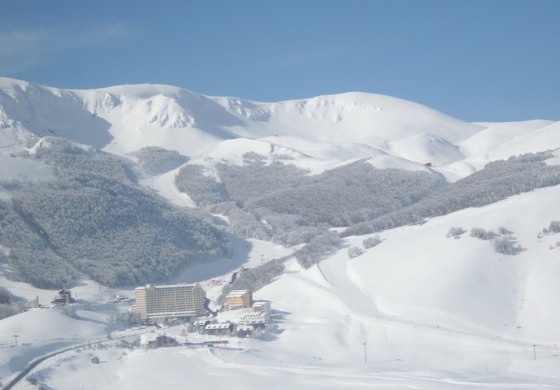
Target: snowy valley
(399, 247)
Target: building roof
(222, 325)
(167, 286)
(237, 293)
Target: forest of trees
(497, 181)
(154, 160)
(9, 304)
(95, 219)
(282, 202)
(357, 196)
(255, 278)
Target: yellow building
(179, 300)
(239, 299)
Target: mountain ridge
(345, 127)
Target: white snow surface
(317, 133)
(420, 310)
(436, 313)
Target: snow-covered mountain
(320, 131)
(438, 275)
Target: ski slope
(436, 313)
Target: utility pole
(365, 352)
(534, 352)
(15, 337)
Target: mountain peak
(340, 127)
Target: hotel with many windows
(179, 300)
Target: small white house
(255, 319)
(262, 307)
(221, 328)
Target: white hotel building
(179, 300)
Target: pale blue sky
(478, 60)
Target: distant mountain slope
(497, 181)
(322, 131)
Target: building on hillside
(120, 298)
(179, 300)
(244, 331)
(33, 304)
(256, 320)
(162, 341)
(219, 329)
(259, 317)
(200, 324)
(262, 307)
(239, 299)
(64, 297)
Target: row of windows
(170, 300)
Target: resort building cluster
(188, 301)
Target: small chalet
(244, 331)
(259, 317)
(64, 297)
(256, 320)
(162, 341)
(200, 324)
(33, 304)
(219, 329)
(120, 298)
(262, 307)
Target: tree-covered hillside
(339, 197)
(274, 200)
(94, 219)
(282, 202)
(497, 181)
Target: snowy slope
(464, 282)
(435, 302)
(436, 313)
(318, 132)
